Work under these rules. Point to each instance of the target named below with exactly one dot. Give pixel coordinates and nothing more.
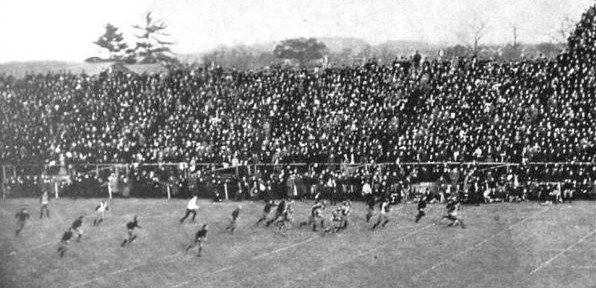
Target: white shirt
(366, 189)
(383, 208)
(102, 207)
(192, 204)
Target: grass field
(528, 246)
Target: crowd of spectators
(439, 110)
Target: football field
(503, 245)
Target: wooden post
(168, 189)
(226, 189)
(55, 189)
(3, 182)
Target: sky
(65, 29)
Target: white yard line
(366, 252)
(441, 263)
(562, 252)
(253, 258)
(124, 270)
(119, 271)
(575, 267)
(286, 248)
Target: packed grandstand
(297, 131)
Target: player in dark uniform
(383, 219)
(233, 218)
(421, 207)
(270, 204)
(77, 227)
(130, 227)
(200, 237)
(286, 218)
(22, 217)
(452, 208)
(315, 216)
(66, 237)
(279, 212)
(370, 203)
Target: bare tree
(473, 33)
(479, 30)
(566, 27)
(515, 29)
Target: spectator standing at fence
(191, 208)
(366, 191)
(45, 202)
(331, 187)
(416, 59)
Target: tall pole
(3, 182)
(515, 44)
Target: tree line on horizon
(152, 46)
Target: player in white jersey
(191, 208)
(45, 202)
(100, 210)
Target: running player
(335, 222)
(77, 227)
(130, 227)
(315, 216)
(99, 212)
(266, 210)
(421, 207)
(383, 219)
(191, 208)
(200, 238)
(64, 242)
(44, 201)
(287, 218)
(370, 202)
(279, 212)
(452, 207)
(22, 217)
(233, 219)
(345, 210)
